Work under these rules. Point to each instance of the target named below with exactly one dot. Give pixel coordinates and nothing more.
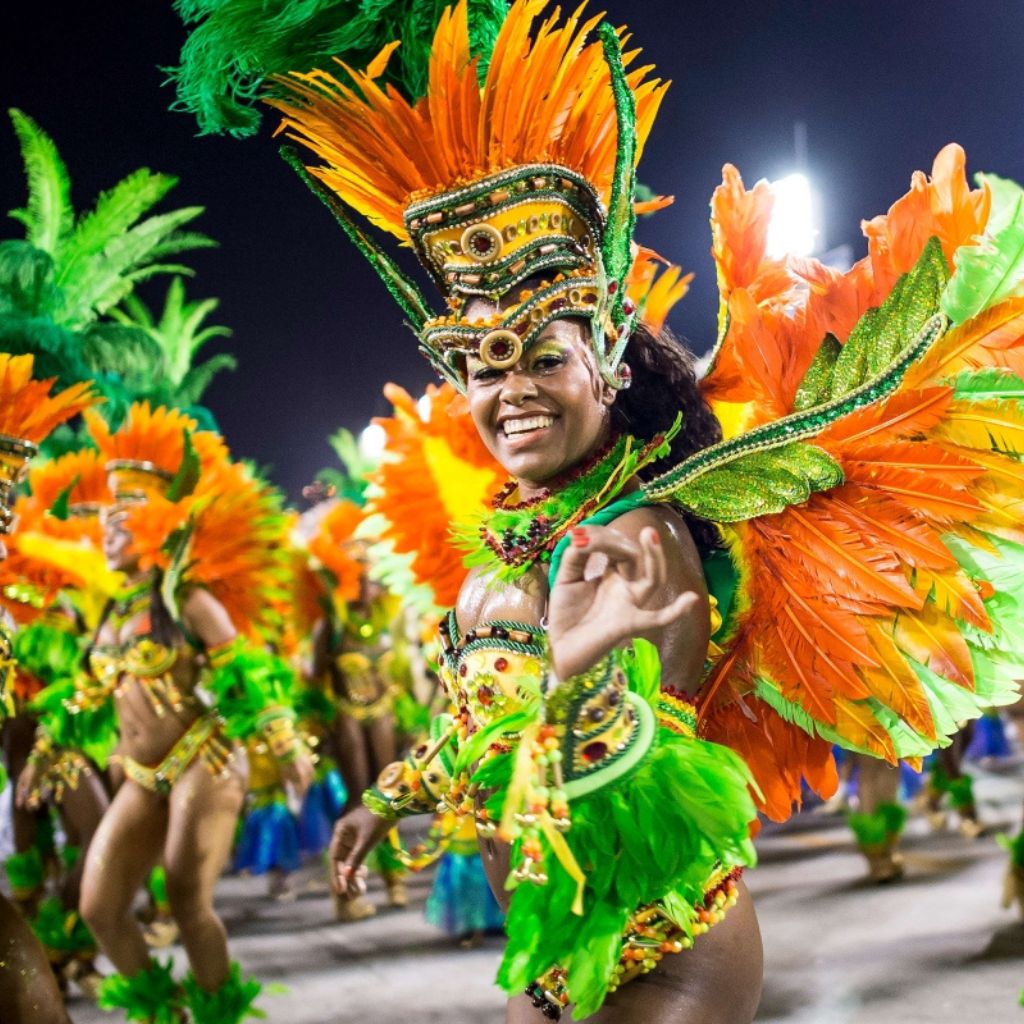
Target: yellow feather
(986, 426)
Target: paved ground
(935, 948)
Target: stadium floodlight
(372, 440)
(792, 229)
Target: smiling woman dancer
(867, 522)
(174, 486)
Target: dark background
(880, 85)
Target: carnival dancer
(268, 838)
(197, 538)
(614, 723)
(28, 413)
(58, 573)
(354, 655)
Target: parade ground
(934, 948)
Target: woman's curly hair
(664, 383)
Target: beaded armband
(422, 782)
(277, 725)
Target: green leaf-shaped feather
(185, 480)
(993, 268)
(883, 332)
(48, 215)
(814, 388)
(759, 483)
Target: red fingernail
(655, 539)
(579, 537)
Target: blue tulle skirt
(461, 901)
(269, 839)
(989, 739)
(322, 806)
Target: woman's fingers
(650, 582)
(656, 618)
(589, 541)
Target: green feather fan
(235, 46)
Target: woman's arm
(206, 619)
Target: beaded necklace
(513, 536)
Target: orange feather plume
(155, 434)
(28, 410)
(236, 542)
(547, 98)
(435, 471)
(943, 205)
(334, 546)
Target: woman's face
(549, 412)
(116, 540)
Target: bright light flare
(792, 229)
(423, 407)
(372, 441)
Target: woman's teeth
(521, 426)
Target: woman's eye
(483, 374)
(551, 362)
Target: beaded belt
(203, 739)
(650, 934)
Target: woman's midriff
(153, 717)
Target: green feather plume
(151, 997)
(236, 46)
(62, 931)
(879, 827)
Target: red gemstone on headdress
(485, 695)
(594, 751)
(481, 243)
(500, 664)
(589, 297)
(613, 287)
(500, 349)
(522, 328)
(558, 304)
(628, 307)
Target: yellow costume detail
(203, 739)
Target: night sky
(881, 86)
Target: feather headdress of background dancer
(868, 490)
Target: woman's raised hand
(609, 589)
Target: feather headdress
(510, 158)
(28, 412)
